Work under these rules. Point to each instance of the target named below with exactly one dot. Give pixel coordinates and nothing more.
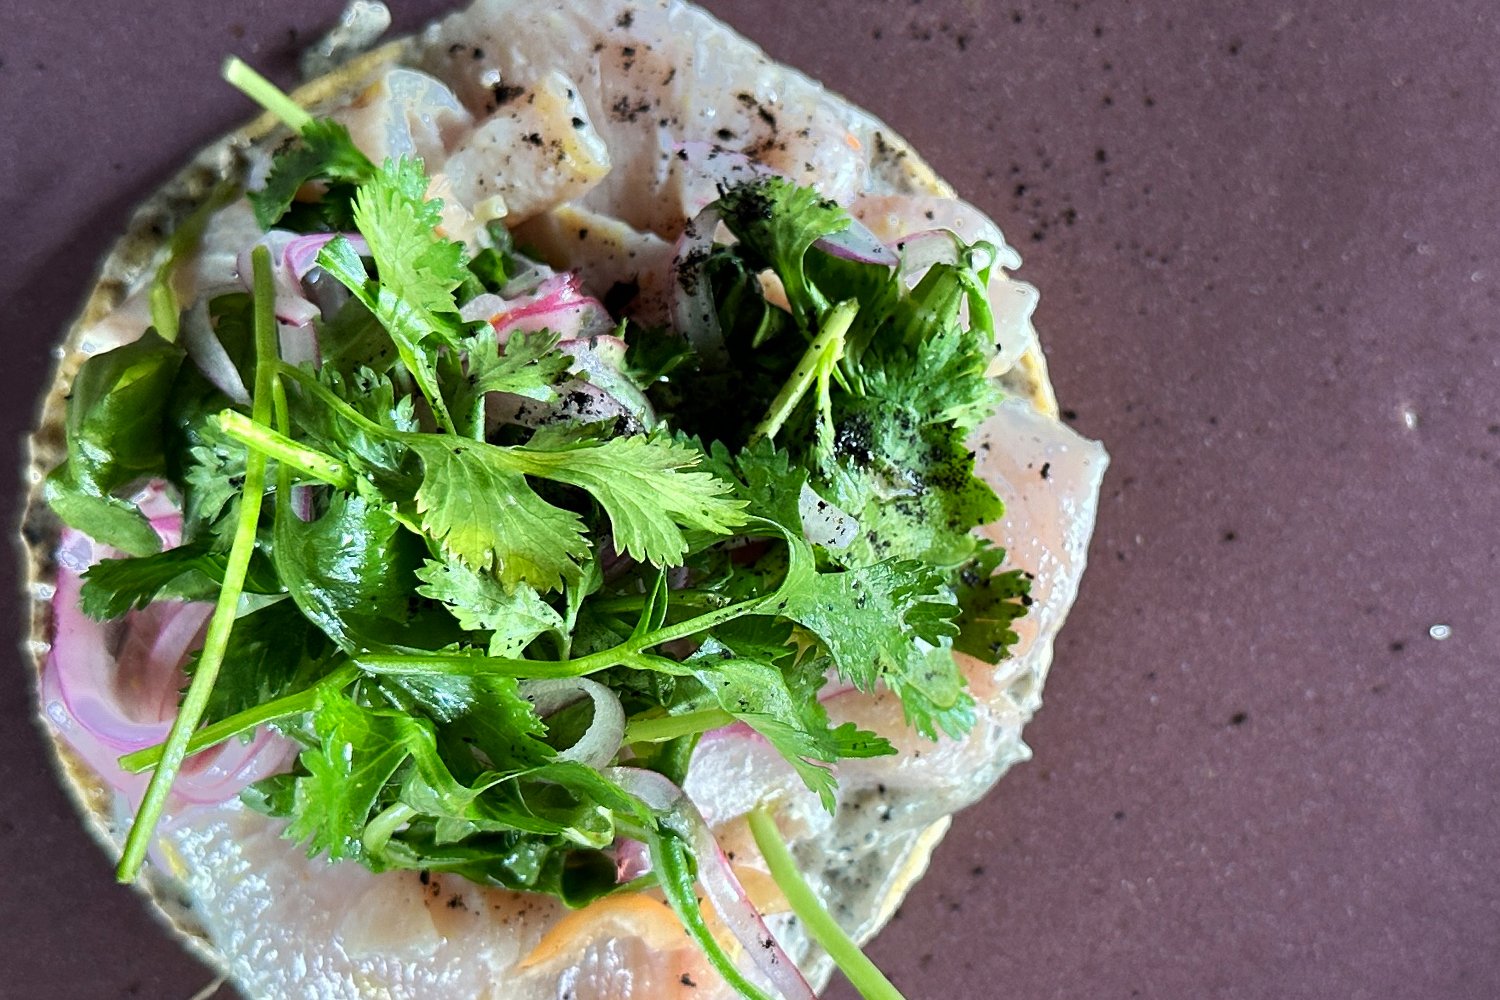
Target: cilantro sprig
(391, 567)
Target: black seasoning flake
(503, 94)
(478, 53)
(1046, 470)
(625, 111)
(579, 123)
(625, 20)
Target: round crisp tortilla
(128, 266)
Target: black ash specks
(502, 94)
(629, 110)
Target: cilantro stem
(378, 831)
(631, 653)
(285, 707)
(310, 384)
(271, 444)
(862, 973)
(821, 356)
(669, 727)
(266, 94)
(222, 622)
(687, 596)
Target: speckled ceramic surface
(1267, 247)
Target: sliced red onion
(161, 510)
(919, 251)
(823, 523)
(720, 884)
(302, 503)
(614, 564)
(300, 254)
(601, 741)
(578, 402)
(292, 304)
(597, 352)
(112, 688)
(602, 360)
(857, 243)
(208, 354)
(293, 256)
(326, 292)
(835, 689)
(527, 279)
(299, 344)
(90, 678)
(482, 308)
(693, 312)
(632, 860)
(220, 773)
(733, 731)
(558, 304)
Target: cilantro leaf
(211, 490)
(653, 353)
(889, 623)
(418, 271)
(416, 265)
(354, 339)
(474, 498)
(361, 415)
(324, 151)
(373, 759)
(989, 603)
(481, 604)
(111, 587)
(115, 424)
(642, 484)
(913, 491)
(927, 362)
(776, 223)
(352, 572)
(745, 667)
(477, 503)
(357, 753)
(765, 479)
(529, 365)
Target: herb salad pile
(446, 608)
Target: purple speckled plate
(1267, 247)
